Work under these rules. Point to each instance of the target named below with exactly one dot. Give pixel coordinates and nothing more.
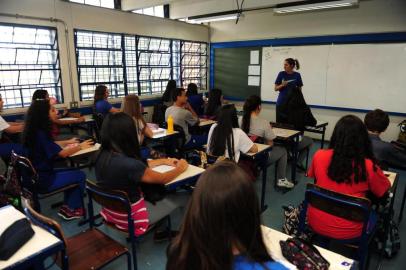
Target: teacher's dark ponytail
(293, 63)
(250, 105)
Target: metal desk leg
(294, 160)
(403, 206)
(322, 137)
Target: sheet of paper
(254, 80)
(254, 70)
(254, 58)
(163, 168)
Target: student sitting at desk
(226, 138)
(253, 125)
(347, 167)
(182, 113)
(118, 166)
(222, 225)
(214, 104)
(131, 105)
(377, 121)
(194, 98)
(167, 96)
(101, 105)
(43, 152)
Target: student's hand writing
(182, 165)
(73, 140)
(86, 144)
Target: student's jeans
(64, 177)
(280, 155)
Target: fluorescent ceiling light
(214, 18)
(315, 6)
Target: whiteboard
(353, 76)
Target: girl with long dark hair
(119, 166)
(194, 98)
(222, 226)
(252, 124)
(131, 106)
(226, 138)
(43, 152)
(214, 104)
(100, 103)
(167, 96)
(348, 167)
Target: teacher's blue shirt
(284, 76)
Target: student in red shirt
(347, 167)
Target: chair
(91, 249)
(343, 206)
(28, 178)
(98, 119)
(115, 200)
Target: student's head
(191, 89)
(252, 104)
(100, 93)
(168, 94)
(131, 106)
(40, 94)
(118, 134)
(215, 101)
(179, 96)
(377, 121)
(38, 118)
(351, 145)
(222, 136)
(223, 215)
(290, 64)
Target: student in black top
(119, 166)
(167, 96)
(214, 104)
(377, 121)
(194, 98)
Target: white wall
(93, 18)
(372, 16)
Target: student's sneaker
(68, 214)
(285, 183)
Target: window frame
(57, 65)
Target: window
(29, 60)
(157, 11)
(130, 64)
(99, 61)
(97, 3)
(194, 64)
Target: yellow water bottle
(170, 124)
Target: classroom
(202, 134)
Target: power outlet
(74, 104)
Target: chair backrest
(24, 171)
(44, 222)
(98, 119)
(115, 200)
(338, 204)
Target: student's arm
(191, 119)
(14, 128)
(153, 177)
(64, 143)
(114, 110)
(162, 161)
(66, 152)
(378, 182)
(60, 122)
(148, 132)
(190, 109)
(253, 149)
(245, 143)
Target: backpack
(402, 133)
(303, 254)
(388, 240)
(10, 187)
(291, 219)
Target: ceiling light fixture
(313, 5)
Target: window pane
(28, 61)
(194, 64)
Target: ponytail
(293, 62)
(250, 105)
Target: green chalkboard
(231, 71)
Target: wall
(92, 18)
(372, 16)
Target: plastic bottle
(170, 124)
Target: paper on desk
(253, 80)
(254, 70)
(163, 168)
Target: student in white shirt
(226, 138)
(253, 125)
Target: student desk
(319, 128)
(272, 238)
(285, 136)
(261, 157)
(89, 123)
(83, 155)
(42, 245)
(164, 135)
(206, 122)
(188, 177)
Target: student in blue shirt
(286, 81)
(43, 152)
(194, 98)
(222, 226)
(101, 105)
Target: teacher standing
(286, 81)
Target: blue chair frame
(358, 209)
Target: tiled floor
(152, 255)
